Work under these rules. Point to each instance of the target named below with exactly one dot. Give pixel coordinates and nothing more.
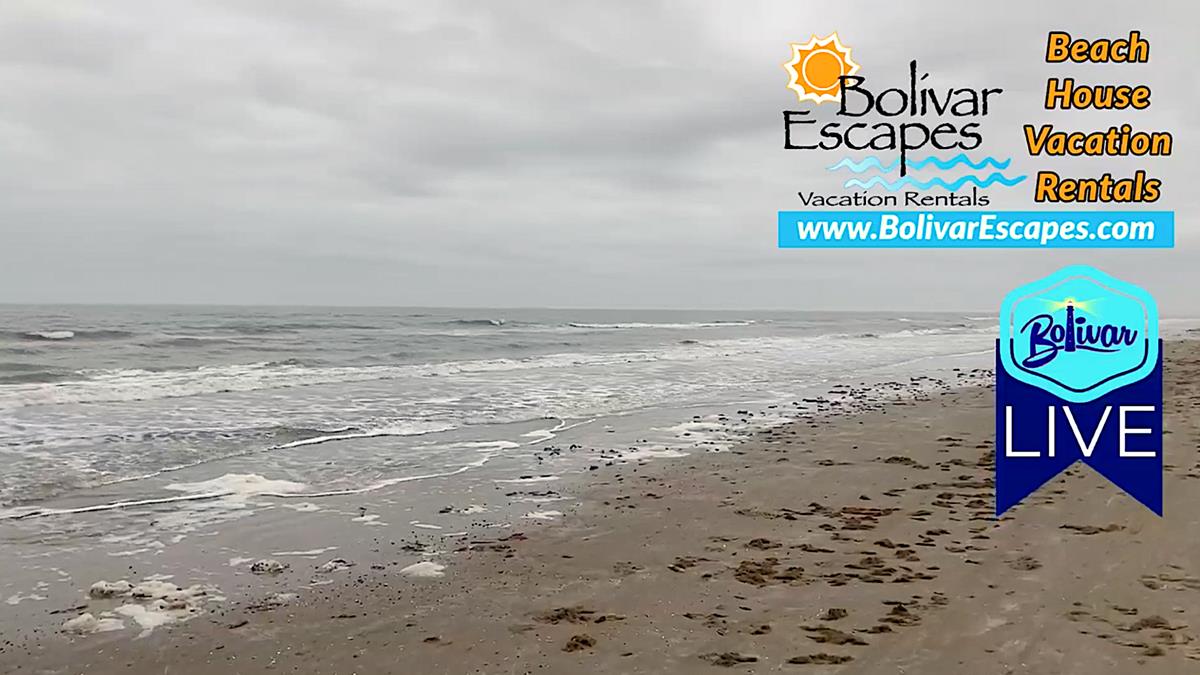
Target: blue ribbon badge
(1079, 378)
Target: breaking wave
(63, 334)
(636, 325)
(122, 385)
(477, 322)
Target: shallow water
(94, 396)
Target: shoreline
(198, 528)
(861, 543)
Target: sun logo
(816, 67)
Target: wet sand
(863, 542)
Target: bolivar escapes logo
(893, 122)
(1079, 378)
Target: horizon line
(490, 308)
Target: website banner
(976, 229)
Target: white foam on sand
(372, 519)
(542, 515)
(151, 604)
(158, 589)
(386, 483)
(652, 453)
(237, 488)
(539, 436)
(412, 429)
(147, 618)
(232, 489)
(543, 435)
(109, 589)
(87, 623)
(425, 569)
(489, 445)
(18, 598)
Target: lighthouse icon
(1069, 338)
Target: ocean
(336, 400)
(205, 445)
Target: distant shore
(859, 542)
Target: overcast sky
(576, 154)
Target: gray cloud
(524, 153)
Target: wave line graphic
(996, 177)
(873, 162)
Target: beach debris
(756, 572)
(1025, 563)
(820, 659)
(1154, 621)
(900, 615)
(684, 562)
(728, 659)
(1093, 529)
(577, 614)
(833, 636)
(269, 566)
(579, 643)
(335, 565)
(762, 544)
(603, 618)
(272, 601)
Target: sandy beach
(859, 540)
